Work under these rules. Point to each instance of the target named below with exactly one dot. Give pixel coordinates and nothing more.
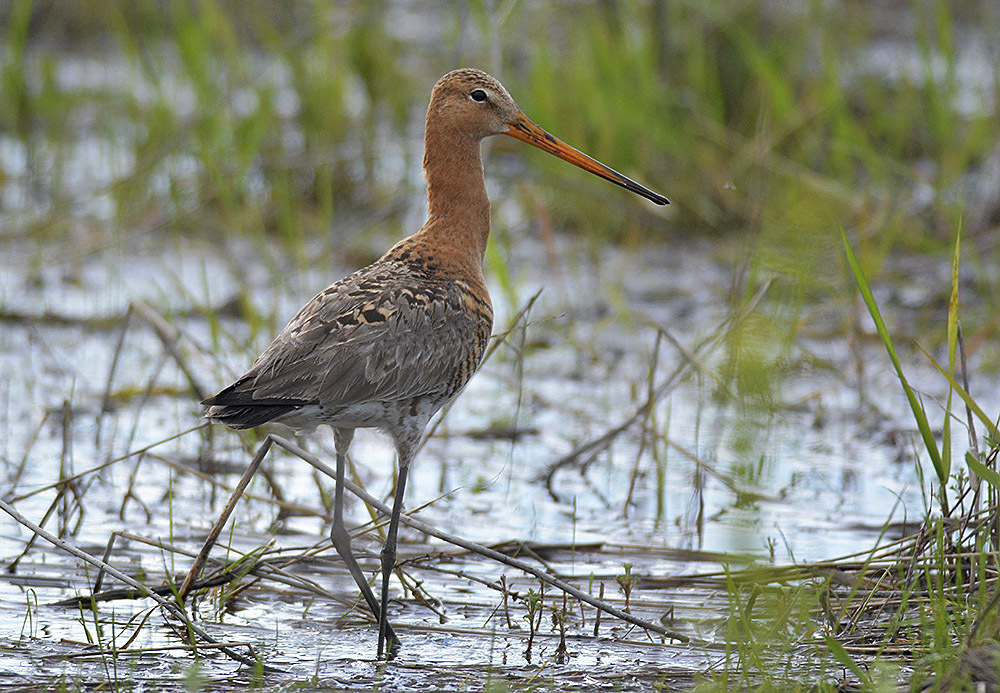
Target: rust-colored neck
(459, 211)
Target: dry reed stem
(213, 535)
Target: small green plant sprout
(559, 618)
(626, 583)
(194, 677)
(533, 604)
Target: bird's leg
(405, 451)
(341, 537)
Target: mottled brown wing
(377, 335)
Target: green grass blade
(966, 397)
(953, 304)
(844, 657)
(952, 349)
(915, 406)
(982, 471)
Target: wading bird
(389, 345)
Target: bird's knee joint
(340, 536)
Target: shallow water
(809, 480)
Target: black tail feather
(238, 409)
(247, 416)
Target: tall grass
(748, 116)
(928, 599)
(752, 120)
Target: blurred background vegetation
(778, 123)
(297, 127)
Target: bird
(389, 345)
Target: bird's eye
(478, 95)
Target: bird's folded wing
(393, 342)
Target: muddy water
(711, 481)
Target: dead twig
(213, 535)
(69, 479)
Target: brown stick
(220, 523)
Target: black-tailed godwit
(391, 344)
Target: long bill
(521, 128)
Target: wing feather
(381, 334)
